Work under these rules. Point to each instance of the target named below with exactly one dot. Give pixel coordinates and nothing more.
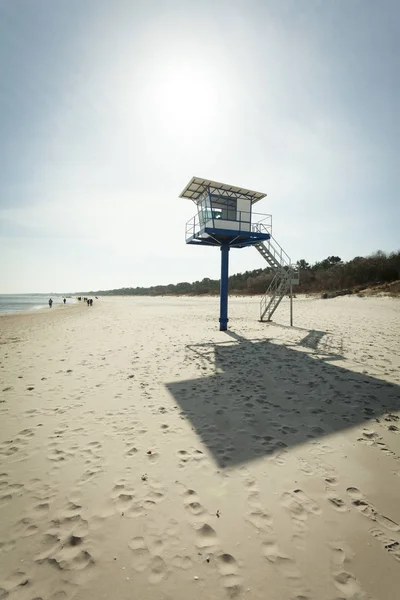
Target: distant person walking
(50, 302)
(64, 300)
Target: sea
(22, 302)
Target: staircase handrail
(276, 249)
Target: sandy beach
(145, 455)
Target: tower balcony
(212, 228)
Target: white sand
(274, 471)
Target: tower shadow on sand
(265, 397)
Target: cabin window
(216, 213)
(204, 210)
(224, 208)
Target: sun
(182, 96)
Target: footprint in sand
(26, 527)
(40, 510)
(300, 506)
(27, 433)
(260, 520)
(285, 565)
(138, 509)
(253, 493)
(123, 498)
(158, 570)
(360, 502)
(14, 584)
(390, 545)
(131, 451)
(157, 546)
(206, 537)
(336, 503)
(152, 456)
(348, 585)
(279, 458)
(182, 562)
(172, 528)
(318, 449)
(305, 467)
(193, 457)
(69, 557)
(183, 458)
(331, 481)
(368, 436)
(154, 497)
(229, 572)
(123, 501)
(140, 553)
(7, 546)
(90, 474)
(61, 595)
(192, 504)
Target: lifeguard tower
(225, 218)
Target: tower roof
(197, 185)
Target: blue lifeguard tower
(225, 218)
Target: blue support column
(223, 306)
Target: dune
(144, 454)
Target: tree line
(329, 275)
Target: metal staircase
(286, 274)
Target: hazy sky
(109, 107)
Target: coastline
(23, 303)
(40, 310)
(144, 453)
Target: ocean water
(21, 302)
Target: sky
(107, 109)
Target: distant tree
(303, 264)
(327, 263)
(334, 260)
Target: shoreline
(11, 304)
(40, 310)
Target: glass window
(224, 208)
(203, 210)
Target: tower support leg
(223, 306)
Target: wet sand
(144, 454)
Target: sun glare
(183, 97)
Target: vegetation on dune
(379, 270)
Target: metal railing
(244, 219)
(192, 227)
(277, 252)
(273, 295)
(261, 223)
